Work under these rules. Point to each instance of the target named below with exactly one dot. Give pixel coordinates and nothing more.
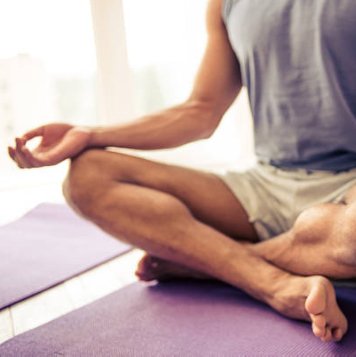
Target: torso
(298, 61)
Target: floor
(20, 194)
(20, 191)
(70, 295)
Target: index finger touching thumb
(33, 133)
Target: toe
(316, 300)
(318, 325)
(337, 334)
(318, 331)
(328, 335)
(318, 320)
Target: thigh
(208, 198)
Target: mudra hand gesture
(59, 142)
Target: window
(165, 43)
(152, 48)
(47, 66)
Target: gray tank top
(298, 62)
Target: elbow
(203, 129)
(207, 134)
(210, 127)
(206, 117)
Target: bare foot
(304, 298)
(152, 268)
(313, 299)
(328, 322)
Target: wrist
(92, 140)
(101, 137)
(90, 134)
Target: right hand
(59, 142)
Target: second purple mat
(47, 246)
(180, 319)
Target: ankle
(290, 295)
(270, 286)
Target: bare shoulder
(214, 16)
(218, 80)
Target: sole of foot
(306, 298)
(328, 321)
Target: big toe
(328, 321)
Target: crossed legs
(192, 219)
(322, 241)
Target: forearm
(173, 127)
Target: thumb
(69, 146)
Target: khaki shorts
(273, 197)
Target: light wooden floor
(22, 190)
(69, 295)
(15, 200)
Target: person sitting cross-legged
(283, 228)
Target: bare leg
(321, 242)
(153, 268)
(109, 189)
(324, 240)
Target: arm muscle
(216, 85)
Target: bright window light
(47, 66)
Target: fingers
(69, 145)
(33, 133)
(11, 152)
(15, 157)
(53, 148)
(28, 156)
(21, 155)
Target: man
(297, 61)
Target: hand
(59, 142)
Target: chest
(291, 26)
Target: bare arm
(216, 85)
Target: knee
(81, 185)
(96, 176)
(315, 223)
(346, 233)
(333, 226)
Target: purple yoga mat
(180, 319)
(47, 246)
